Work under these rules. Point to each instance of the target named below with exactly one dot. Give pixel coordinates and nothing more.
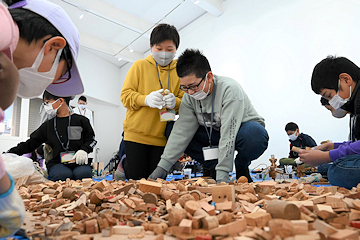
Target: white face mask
(336, 101)
(32, 82)
(293, 137)
(163, 58)
(200, 95)
(82, 106)
(50, 110)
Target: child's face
(344, 91)
(165, 46)
(9, 81)
(290, 132)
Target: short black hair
(163, 32)
(324, 101)
(326, 73)
(291, 126)
(49, 96)
(82, 98)
(33, 27)
(192, 61)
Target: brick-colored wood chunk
(185, 226)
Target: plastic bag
(18, 166)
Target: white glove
(315, 177)
(170, 101)
(298, 161)
(81, 157)
(155, 99)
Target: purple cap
(62, 22)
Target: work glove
(170, 101)
(314, 177)
(298, 161)
(81, 157)
(155, 99)
(159, 172)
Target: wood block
(225, 206)
(230, 229)
(222, 193)
(324, 228)
(210, 222)
(196, 222)
(150, 198)
(308, 204)
(192, 206)
(208, 208)
(356, 204)
(307, 237)
(258, 219)
(107, 232)
(354, 215)
(150, 186)
(334, 198)
(284, 210)
(347, 234)
(124, 230)
(168, 206)
(300, 226)
(185, 226)
(201, 189)
(323, 207)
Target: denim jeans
(344, 172)
(62, 172)
(251, 141)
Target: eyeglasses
(192, 88)
(67, 75)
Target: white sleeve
(12, 211)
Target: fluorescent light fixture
(130, 49)
(119, 59)
(196, 1)
(81, 16)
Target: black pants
(141, 159)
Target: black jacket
(82, 137)
(353, 106)
(302, 141)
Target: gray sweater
(231, 108)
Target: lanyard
(159, 77)
(212, 116)
(57, 134)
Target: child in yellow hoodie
(151, 87)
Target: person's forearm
(5, 184)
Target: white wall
(271, 47)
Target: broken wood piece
(192, 206)
(210, 222)
(124, 230)
(185, 226)
(150, 186)
(258, 219)
(324, 228)
(230, 229)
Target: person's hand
(170, 101)
(155, 99)
(159, 172)
(314, 157)
(325, 147)
(81, 157)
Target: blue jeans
(251, 141)
(344, 172)
(62, 172)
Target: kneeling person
(68, 134)
(215, 115)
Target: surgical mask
(82, 106)
(50, 110)
(293, 137)
(200, 95)
(32, 82)
(336, 101)
(339, 113)
(163, 58)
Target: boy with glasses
(216, 118)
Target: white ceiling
(119, 30)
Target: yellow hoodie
(142, 123)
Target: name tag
(167, 115)
(66, 157)
(211, 153)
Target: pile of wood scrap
(190, 209)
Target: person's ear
(346, 78)
(54, 44)
(151, 46)
(210, 76)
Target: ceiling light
(119, 59)
(81, 16)
(130, 49)
(196, 1)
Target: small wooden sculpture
(272, 168)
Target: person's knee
(57, 173)
(82, 172)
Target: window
(34, 115)
(11, 124)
